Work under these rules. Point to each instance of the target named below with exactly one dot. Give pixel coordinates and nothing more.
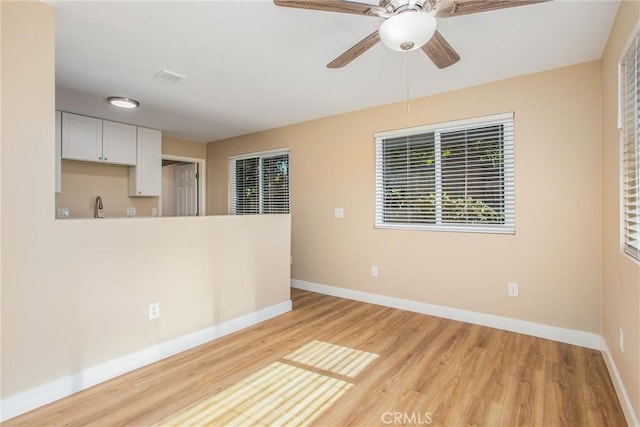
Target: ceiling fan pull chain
(407, 64)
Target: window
(260, 184)
(629, 121)
(455, 176)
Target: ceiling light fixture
(407, 30)
(123, 102)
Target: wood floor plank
(427, 369)
(596, 387)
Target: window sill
(449, 228)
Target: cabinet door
(81, 138)
(118, 143)
(146, 178)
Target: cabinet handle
(105, 158)
(99, 158)
(139, 192)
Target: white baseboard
(570, 336)
(625, 402)
(46, 393)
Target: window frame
(633, 253)
(260, 155)
(506, 119)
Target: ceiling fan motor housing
(396, 6)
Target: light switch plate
(131, 211)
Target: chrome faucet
(96, 212)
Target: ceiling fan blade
(358, 49)
(440, 51)
(333, 6)
(446, 9)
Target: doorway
(182, 186)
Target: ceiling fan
(407, 25)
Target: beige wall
(621, 275)
(555, 254)
(184, 148)
(1, 203)
(76, 293)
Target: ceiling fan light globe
(407, 31)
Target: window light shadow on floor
(280, 394)
(333, 358)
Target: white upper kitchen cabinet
(81, 138)
(118, 143)
(96, 140)
(145, 179)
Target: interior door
(186, 190)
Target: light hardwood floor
(428, 369)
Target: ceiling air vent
(169, 76)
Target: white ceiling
(251, 65)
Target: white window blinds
(456, 176)
(630, 137)
(259, 184)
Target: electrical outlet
(374, 271)
(621, 339)
(154, 310)
(338, 212)
(513, 290)
(154, 211)
(64, 213)
(131, 211)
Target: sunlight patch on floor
(280, 394)
(333, 358)
(277, 395)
